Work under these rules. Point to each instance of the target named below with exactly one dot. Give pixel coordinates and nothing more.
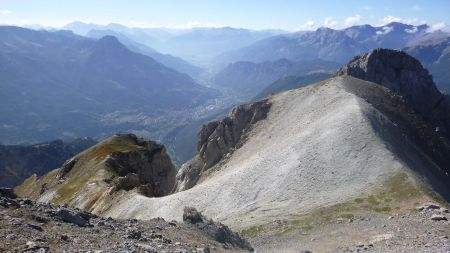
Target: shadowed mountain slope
(71, 86)
(435, 55)
(247, 79)
(18, 162)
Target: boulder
(66, 168)
(215, 230)
(7, 192)
(191, 215)
(70, 216)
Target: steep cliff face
(151, 169)
(218, 139)
(93, 178)
(404, 75)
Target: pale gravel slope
(317, 147)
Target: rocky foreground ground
(424, 229)
(27, 226)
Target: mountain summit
(404, 75)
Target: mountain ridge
(166, 59)
(330, 44)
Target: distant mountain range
(435, 55)
(71, 86)
(291, 82)
(168, 60)
(329, 44)
(198, 45)
(246, 79)
(216, 48)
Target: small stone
(37, 227)
(40, 219)
(64, 237)
(428, 206)
(134, 234)
(36, 247)
(11, 237)
(437, 217)
(390, 217)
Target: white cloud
(308, 25)
(390, 19)
(367, 8)
(5, 12)
(437, 26)
(196, 24)
(352, 20)
(410, 21)
(417, 7)
(386, 30)
(330, 22)
(412, 30)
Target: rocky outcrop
(149, 169)
(216, 230)
(404, 75)
(218, 139)
(76, 217)
(92, 179)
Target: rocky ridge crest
(218, 139)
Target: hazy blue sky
(257, 14)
